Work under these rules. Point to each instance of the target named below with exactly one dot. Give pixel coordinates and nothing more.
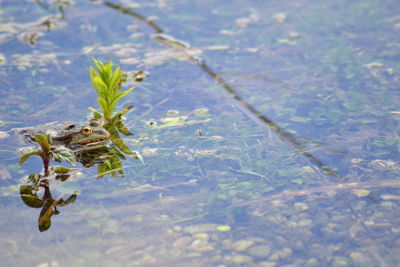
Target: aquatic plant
(107, 83)
(47, 153)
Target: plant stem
(46, 161)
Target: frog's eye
(86, 130)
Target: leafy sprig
(107, 83)
(47, 153)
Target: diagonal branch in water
(289, 139)
(136, 15)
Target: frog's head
(87, 137)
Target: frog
(82, 138)
(77, 138)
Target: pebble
(267, 264)
(199, 228)
(312, 262)
(338, 261)
(359, 258)
(308, 169)
(216, 138)
(172, 113)
(387, 204)
(227, 244)
(260, 251)
(279, 17)
(300, 206)
(177, 228)
(149, 152)
(129, 61)
(373, 65)
(242, 245)
(182, 242)
(203, 236)
(238, 259)
(390, 197)
(304, 222)
(201, 111)
(201, 245)
(281, 254)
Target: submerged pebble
(149, 152)
(390, 197)
(201, 245)
(267, 264)
(192, 229)
(129, 61)
(242, 245)
(359, 258)
(300, 206)
(281, 254)
(201, 111)
(203, 236)
(260, 251)
(238, 259)
(279, 17)
(172, 113)
(182, 242)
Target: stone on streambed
(199, 228)
(261, 251)
(242, 245)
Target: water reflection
(29, 195)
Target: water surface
(288, 154)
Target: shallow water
(287, 155)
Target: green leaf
(61, 169)
(24, 157)
(122, 128)
(43, 141)
(120, 144)
(107, 84)
(96, 114)
(62, 153)
(115, 79)
(121, 95)
(101, 170)
(108, 164)
(70, 200)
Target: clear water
(312, 179)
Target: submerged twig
(119, 8)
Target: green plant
(107, 83)
(47, 153)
